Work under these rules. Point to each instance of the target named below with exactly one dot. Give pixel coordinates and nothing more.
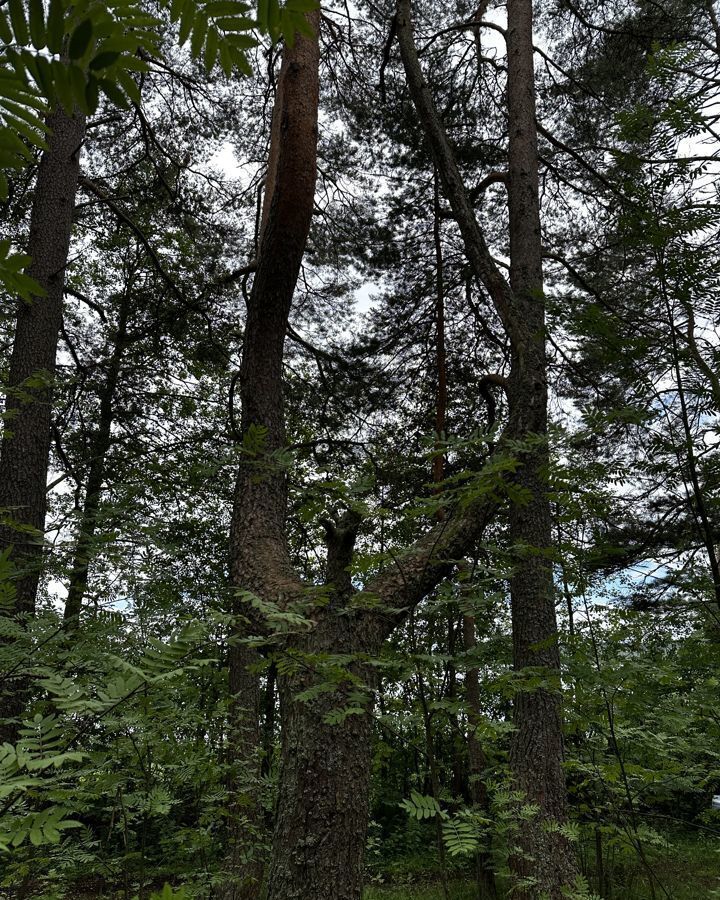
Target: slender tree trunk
(25, 450)
(441, 396)
(484, 874)
(459, 769)
(536, 757)
(245, 852)
(537, 753)
(99, 447)
(434, 781)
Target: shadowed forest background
(360, 456)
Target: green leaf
(6, 35)
(186, 22)
(80, 40)
(103, 60)
(17, 20)
(211, 48)
(176, 9)
(37, 23)
(263, 14)
(63, 85)
(55, 26)
(113, 92)
(198, 35)
(226, 63)
(76, 78)
(129, 85)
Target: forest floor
(687, 869)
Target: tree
(25, 447)
(546, 861)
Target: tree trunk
(245, 859)
(322, 812)
(25, 450)
(484, 874)
(537, 753)
(319, 838)
(259, 557)
(99, 446)
(536, 756)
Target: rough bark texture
(319, 837)
(322, 812)
(259, 558)
(536, 756)
(537, 751)
(25, 447)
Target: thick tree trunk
(25, 450)
(322, 812)
(536, 757)
(99, 447)
(259, 558)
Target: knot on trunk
(340, 535)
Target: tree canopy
(360, 464)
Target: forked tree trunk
(319, 838)
(25, 449)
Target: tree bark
(259, 558)
(322, 812)
(536, 756)
(99, 447)
(25, 450)
(537, 752)
(319, 837)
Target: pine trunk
(537, 754)
(25, 450)
(546, 857)
(322, 812)
(100, 445)
(259, 558)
